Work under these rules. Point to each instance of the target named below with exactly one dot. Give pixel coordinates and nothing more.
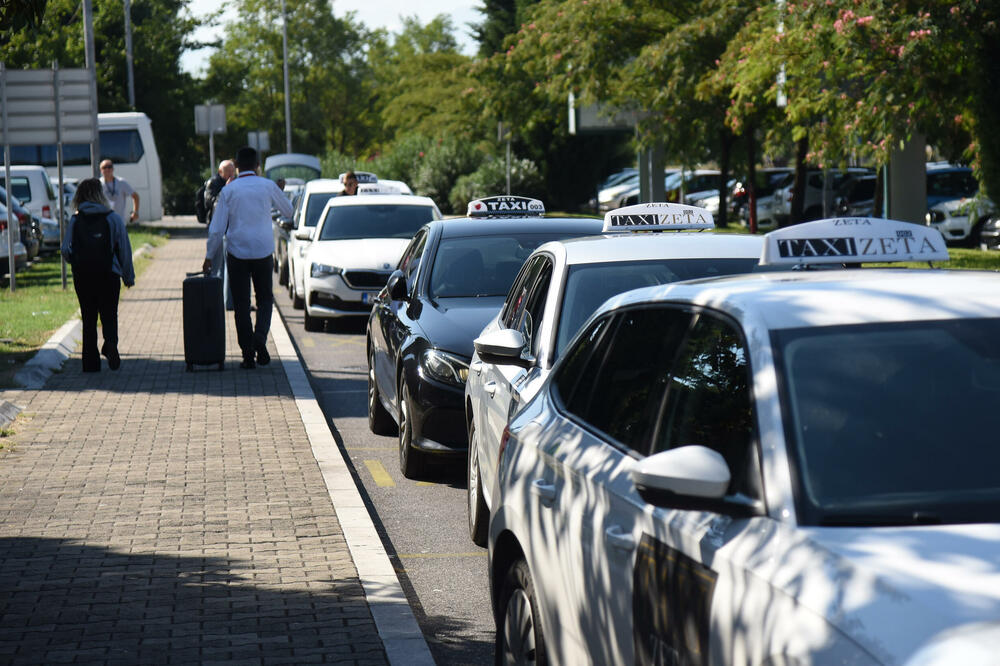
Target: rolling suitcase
(204, 321)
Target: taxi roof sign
(853, 240)
(506, 206)
(362, 176)
(658, 217)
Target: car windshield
(482, 265)
(893, 424)
(952, 184)
(374, 221)
(589, 285)
(315, 206)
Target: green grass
(39, 305)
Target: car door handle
(620, 539)
(490, 388)
(546, 492)
(477, 367)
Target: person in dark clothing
(350, 184)
(97, 247)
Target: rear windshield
(894, 423)
(374, 221)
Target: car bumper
(332, 297)
(438, 417)
(953, 228)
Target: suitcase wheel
(190, 367)
(222, 366)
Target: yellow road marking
(391, 447)
(337, 342)
(308, 342)
(438, 556)
(426, 483)
(379, 475)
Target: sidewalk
(152, 515)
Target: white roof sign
(505, 206)
(362, 176)
(658, 217)
(853, 240)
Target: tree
(17, 15)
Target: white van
(127, 140)
(292, 165)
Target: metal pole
(91, 63)
(288, 103)
(508, 166)
(11, 217)
(59, 169)
(128, 53)
(211, 145)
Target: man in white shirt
(243, 216)
(117, 191)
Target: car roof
(798, 299)
(323, 185)
(369, 199)
(464, 226)
(651, 246)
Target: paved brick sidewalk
(151, 515)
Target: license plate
(368, 297)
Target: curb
(59, 347)
(404, 642)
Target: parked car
(768, 181)
(20, 252)
(955, 207)
(32, 186)
(614, 180)
(856, 196)
(821, 185)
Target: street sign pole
(6, 167)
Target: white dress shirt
(243, 216)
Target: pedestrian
(117, 191)
(243, 218)
(350, 184)
(213, 186)
(97, 247)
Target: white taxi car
(308, 208)
(557, 289)
(356, 244)
(778, 468)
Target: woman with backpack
(96, 245)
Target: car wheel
(379, 420)
(976, 235)
(411, 461)
(519, 636)
(298, 302)
(283, 273)
(479, 514)
(313, 324)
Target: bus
(127, 140)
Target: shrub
(491, 179)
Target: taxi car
(777, 468)
(559, 287)
(354, 248)
(308, 208)
(451, 280)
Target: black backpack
(92, 244)
(200, 209)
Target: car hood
(452, 324)
(894, 589)
(380, 254)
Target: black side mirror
(396, 286)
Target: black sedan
(451, 280)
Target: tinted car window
(121, 146)
(410, 260)
(374, 221)
(708, 402)
(315, 205)
(518, 296)
(952, 184)
(573, 382)
(894, 423)
(589, 285)
(481, 265)
(631, 375)
(528, 323)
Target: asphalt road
(423, 523)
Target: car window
(21, 188)
(708, 402)
(315, 205)
(410, 260)
(894, 423)
(529, 321)
(952, 184)
(482, 265)
(630, 377)
(374, 221)
(518, 295)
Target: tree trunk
(799, 188)
(751, 184)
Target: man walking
(117, 191)
(243, 217)
(213, 187)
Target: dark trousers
(98, 297)
(241, 273)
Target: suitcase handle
(196, 273)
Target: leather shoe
(248, 364)
(114, 360)
(263, 358)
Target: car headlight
(445, 367)
(323, 270)
(934, 216)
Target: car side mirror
(503, 347)
(396, 286)
(305, 233)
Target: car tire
(298, 303)
(283, 274)
(479, 513)
(379, 420)
(519, 632)
(313, 324)
(411, 461)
